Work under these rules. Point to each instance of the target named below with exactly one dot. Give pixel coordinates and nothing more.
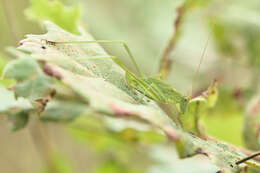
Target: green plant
(55, 79)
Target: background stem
(166, 61)
(42, 143)
(11, 19)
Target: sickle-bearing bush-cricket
(188, 142)
(152, 87)
(132, 122)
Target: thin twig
(250, 153)
(248, 158)
(166, 61)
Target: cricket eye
(43, 47)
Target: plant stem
(42, 143)
(166, 61)
(10, 19)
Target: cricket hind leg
(124, 44)
(117, 61)
(146, 89)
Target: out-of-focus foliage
(237, 36)
(231, 28)
(168, 162)
(104, 136)
(16, 109)
(225, 32)
(229, 111)
(65, 17)
(112, 166)
(62, 165)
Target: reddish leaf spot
(171, 134)
(51, 72)
(120, 111)
(200, 151)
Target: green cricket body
(151, 87)
(158, 91)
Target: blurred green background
(232, 57)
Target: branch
(166, 62)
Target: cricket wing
(167, 93)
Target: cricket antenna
(197, 71)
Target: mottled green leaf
(32, 83)
(101, 84)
